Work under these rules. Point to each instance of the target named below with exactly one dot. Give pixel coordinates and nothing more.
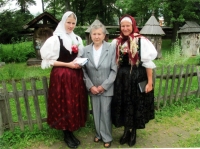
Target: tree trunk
(54, 8)
(174, 31)
(67, 5)
(42, 5)
(101, 13)
(81, 12)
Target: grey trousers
(101, 107)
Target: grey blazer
(105, 73)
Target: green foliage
(112, 30)
(187, 10)
(80, 31)
(48, 136)
(198, 59)
(175, 12)
(27, 139)
(141, 10)
(14, 70)
(86, 11)
(11, 23)
(18, 51)
(192, 142)
(24, 4)
(178, 108)
(19, 139)
(103, 8)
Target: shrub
(18, 51)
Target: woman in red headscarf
(132, 108)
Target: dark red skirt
(67, 99)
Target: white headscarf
(68, 38)
(126, 19)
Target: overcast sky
(33, 9)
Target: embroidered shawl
(131, 40)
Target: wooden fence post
(3, 118)
(198, 77)
(1, 125)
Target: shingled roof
(190, 27)
(152, 27)
(95, 22)
(47, 19)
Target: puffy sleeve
(50, 51)
(148, 53)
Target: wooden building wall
(190, 44)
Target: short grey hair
(97, 26)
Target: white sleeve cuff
(149, 64)
(47, 63)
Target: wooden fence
(24, 102)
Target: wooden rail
(24, 102)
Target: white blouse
(148, 52)
(96, 55)
(51, 49)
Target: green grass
(21, 70)
(25, 139)
(192, 142)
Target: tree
(2, 3)
(85, 10)
(104, 9)
(11, 23)
(24, 4)
(176, 12)
(141, 10)
(42, 5)
(56, 7)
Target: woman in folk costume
(67, 95)
(132, 108)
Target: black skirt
(130, 107)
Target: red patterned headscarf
(133, 54)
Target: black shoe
(132, 139)
(74, 138)
(126, 136)
(70, 143)
(68, 139)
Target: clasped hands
(97, 90)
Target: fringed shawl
(131, 40)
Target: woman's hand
(77, 66)
(73, 65)
(148, 87)
(94, 90)
(100, 89)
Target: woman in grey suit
(99, 75)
